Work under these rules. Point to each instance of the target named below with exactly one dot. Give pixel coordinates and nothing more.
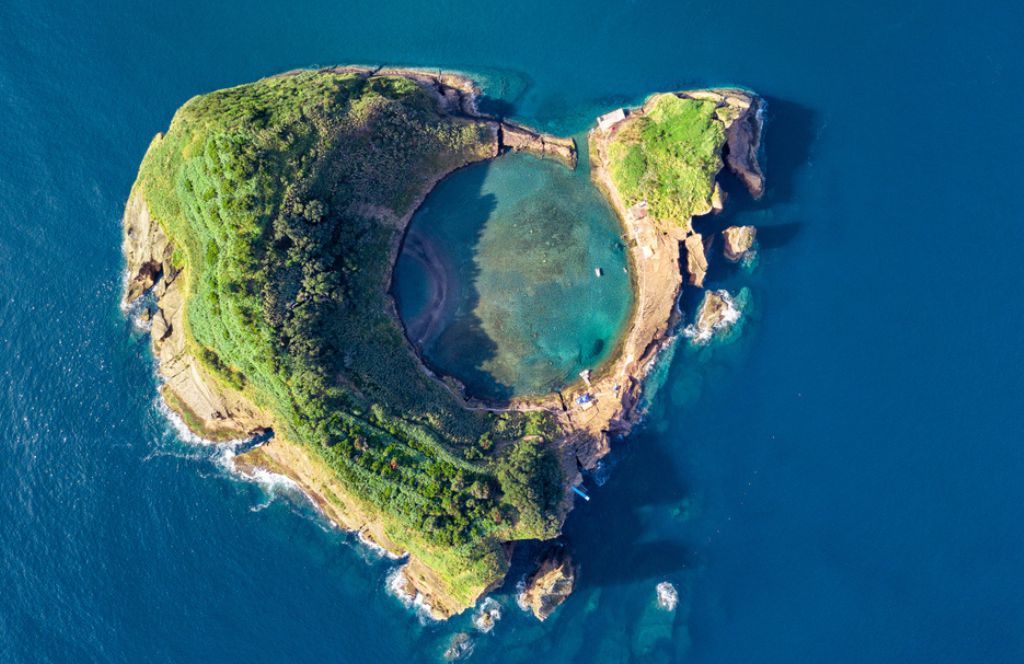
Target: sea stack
(550, 585)
(738, 241)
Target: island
(260, 239)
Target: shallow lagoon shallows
(513, 276)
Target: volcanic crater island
(261, 238)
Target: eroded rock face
(187, 389)
(550, 585)
(696, 260)
(738, 241)
(743, 142)
(145, 247)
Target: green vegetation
(280, 198)
(669, 157)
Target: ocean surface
(839, 481)
(513, 276)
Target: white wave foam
(376, 548)
(141, 325)
(701, 334)
(521, 595)
(668, 596)
(487, 616)
(222, 454)
(460, 647)
(397, 586)
(750, 260)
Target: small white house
(609, 120)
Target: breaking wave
(701, 335)
(487, 616)
(668, 596)
(395, 583)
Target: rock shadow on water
(464, 345)
(533, 291)
(790, 132)
(611, 541)
(789, 136)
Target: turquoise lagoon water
(498, 279)
(841, 483)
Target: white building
(609, 120)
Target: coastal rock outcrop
(145, 247)
(717, 314)
(743, 142)
(668, 596)
(520, 139)
(460, 647)
(696, 259)
(738, 241)
(550, 585)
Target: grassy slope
(670, 156)
(276, 196)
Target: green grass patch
(669, 157)
(268, 193)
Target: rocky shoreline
(656, 248)
(217, 412)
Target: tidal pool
(513, 277)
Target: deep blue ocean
(841, 483)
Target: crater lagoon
(513, 277)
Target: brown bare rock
(718, 199)
(145, 246)
(520, 139)
(738, 241)
(717, 313)
(210, 410)
(696, 260)
(743, 142)
(550, 585)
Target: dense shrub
(280, 198)
(669, 157)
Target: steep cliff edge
(270, 310)
(213, 411)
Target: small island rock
(738, 241)
(717, 313)
(460, 647)
(668, 596)
(550, 585)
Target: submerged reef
(266, 223)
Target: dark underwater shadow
(789, 134)
(463, 346)
(505, 88)
(621, 546)
(621, 549)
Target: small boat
(598, 271)
(581, 494)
